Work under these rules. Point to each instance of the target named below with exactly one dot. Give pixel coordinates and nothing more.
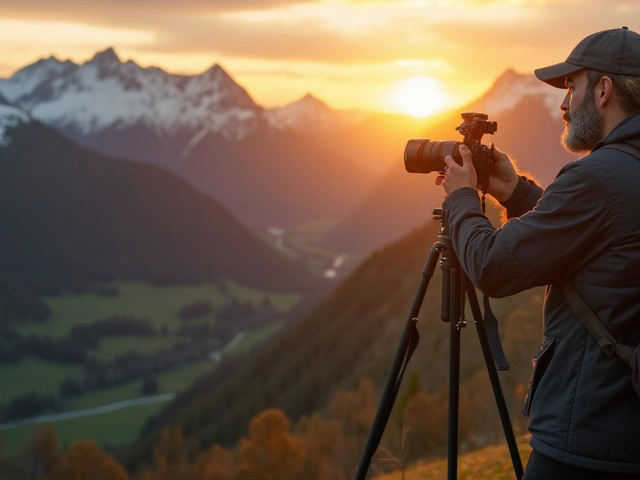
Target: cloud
(337, 31)
(56, 9)
(463, 41)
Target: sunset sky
(413, 56)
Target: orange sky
(361, 54)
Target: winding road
(56, 417)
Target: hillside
(71, 216)
(489, 463)
(352, 335)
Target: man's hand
(502, 180)
(458, 176)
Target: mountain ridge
(73, 217)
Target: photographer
(584, 415)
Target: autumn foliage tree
(354, 411)
(271, 451)
(323, 443)
(85, 459)
(215, 464)
(169, 456)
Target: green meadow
(134, 299)
(138, 299)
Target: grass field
(109, 428)
(135, 299)
(490, 463)
(111, 347)
(142, 300)
(33, 374)
(170, 381)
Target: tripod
(454, 285)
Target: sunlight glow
(419, 96)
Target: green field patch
(142, 300)
(33, 374)
(282, 301)
(254, 337)
(113, 428)
(125, 391)
(111, 347)
(171, 381)
(181, 377)
(136, 299)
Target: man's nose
(564, 106)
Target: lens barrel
(424, 156)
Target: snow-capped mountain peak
(310, 110)
(106, 57)
(105, 93)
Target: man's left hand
(458, 176)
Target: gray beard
(583, 128)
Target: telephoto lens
(424, 156)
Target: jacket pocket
(540, 363)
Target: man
(584, 416)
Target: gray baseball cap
(611, 51)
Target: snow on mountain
(511, 87)
(10, 118)
(31, 77)
(310, 111)
(105, 93)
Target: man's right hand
(504, 178)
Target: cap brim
(555, 74)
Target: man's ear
(604, 91)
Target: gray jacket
(586, 226)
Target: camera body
(424, 156)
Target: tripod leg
(408, 342)
(455, 324)
(495, 379)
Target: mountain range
(206, 128)
(282, 166)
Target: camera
(424, 156)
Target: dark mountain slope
(72, 216)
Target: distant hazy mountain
(71, 216)
(312, 114)
(529, 128)
(205, 127)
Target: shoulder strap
(594, 325)
(624, 147)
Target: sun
(419, 96)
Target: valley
(161, 305)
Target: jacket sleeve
(524, 197)
(566, 228)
